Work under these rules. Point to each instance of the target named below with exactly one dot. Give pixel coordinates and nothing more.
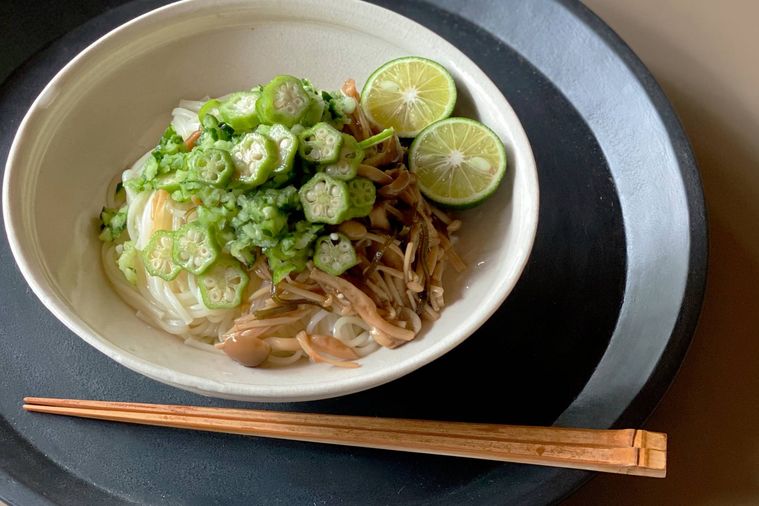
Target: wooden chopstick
(625, 451)
(585, 437)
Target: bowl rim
(28, 260)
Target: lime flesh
(408, 94)
(458, 162)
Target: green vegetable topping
(362, 194)
(222, 285)
(287, 146)
(261, 220)
(211, 107)
(377, 138)
(351, 155)
(157, 256)
(112, 223)
(338, 108)
(212, 166)
(239, 110)
(321, 143)
(283, 100)
(269, 169)
(255, 157)
(325, 199)
(171, 181)
(126, 261)
(171, 143)
(334, 254)
(316, 109)
(215, 134)
(194, 247)
(293, 251)
(169, 155)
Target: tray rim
(683, 332)
(664, 374)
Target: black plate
(592, 335)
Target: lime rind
(456, 166)
(430, 109)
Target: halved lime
(408, 94)
(458, 162)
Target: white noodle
(280, 361)
(134, 213)
(364, 344)
(193, 105)
(315, 324)
(185, 121)
(413, 318)
(354, 332)
(202, 346)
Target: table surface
(703, 53)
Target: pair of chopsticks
(622, 451)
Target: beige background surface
(705, 54)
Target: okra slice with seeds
(239, 110)
(255, 157)
(351, 155)
(194, 248)
(334, 254)
(362, 194)
(210, 107)
(314, 113)
(223, 284)
(321, 143)
(325, 199)
(158, 257)
(211, 166)
(283, 100)
(287, 146)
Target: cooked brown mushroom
(353, 229)
(359, 126)
(362, 304)
(390, 151)
(374, 174)
(378, 218)
(384, 339)
(306, 343)
(333, 346)
(400, 183)
(247, 350)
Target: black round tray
(591, 336)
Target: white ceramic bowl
(110, 104)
